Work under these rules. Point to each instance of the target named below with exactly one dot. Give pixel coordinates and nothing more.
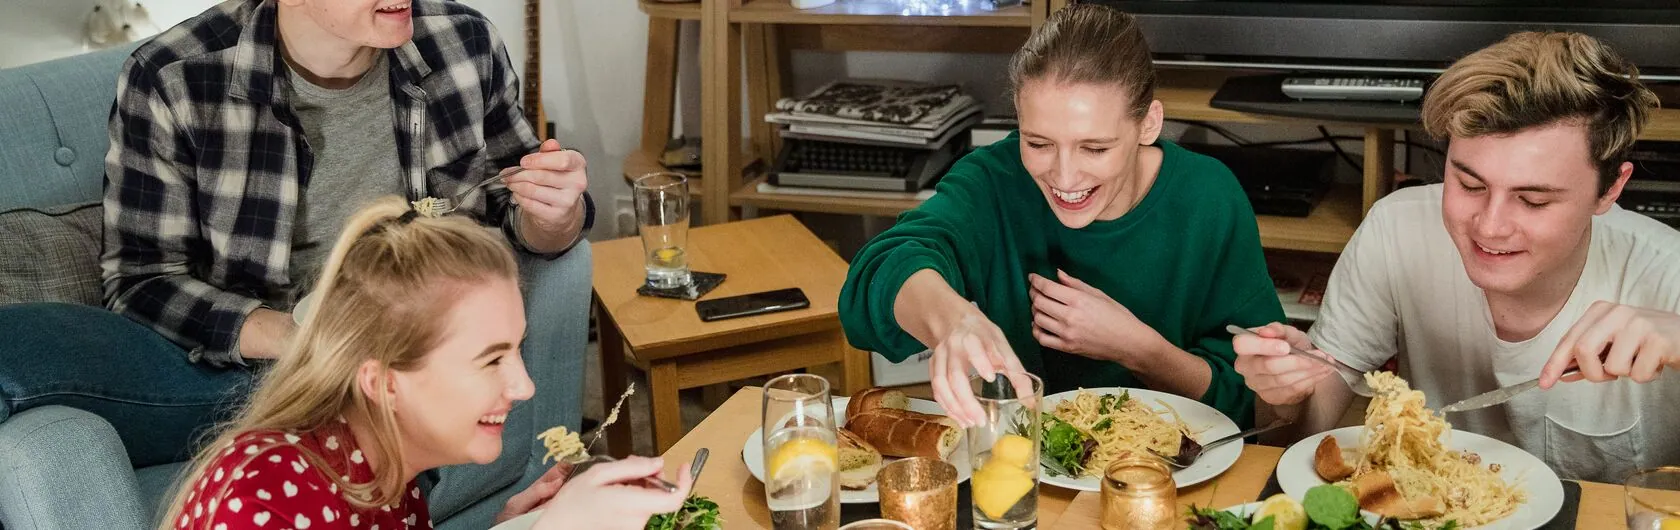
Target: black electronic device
(1278, 181)
(1410, 36)
(752, 304)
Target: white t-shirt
(1400, 288)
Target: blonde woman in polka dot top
(409, 362)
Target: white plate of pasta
(1406, 461)
(1136, 419)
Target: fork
(1357, 380)
(583, 464)
(1191, 451)
(440, 207)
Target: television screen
(1393, 35)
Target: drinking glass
(1653, 499)
(920, 491)
(662, 218)
(1004, 452)
(801, 457)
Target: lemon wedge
(802, 457)
(1012, 451)
(997, 488)
(1671, 524)
(1286, 513)
(666, 255)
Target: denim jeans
(91, 359)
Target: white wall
(38, 30)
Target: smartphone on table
(752, 304)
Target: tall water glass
(801, 457)
(662, 218)
(1003, 451)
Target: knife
(1496, 396)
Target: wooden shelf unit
(766, 29)
(1327, 229)
(640, 163)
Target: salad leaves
(1331, 506)
(697, 513)
(1066, 446)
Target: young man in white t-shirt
(1520, 265)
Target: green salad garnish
(697, 513)
(1331, 506)
(1065, 446)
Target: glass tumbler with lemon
(1003, 451)
(662, 205)
(1653, 499)
(801, 457)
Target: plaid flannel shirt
(207, 161)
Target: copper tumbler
(919, 491)
(1138, 493)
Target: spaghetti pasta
(1405, 439)
(1119, 425)
(562, 444)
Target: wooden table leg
(613, 380)
(667, 409)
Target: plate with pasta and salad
(1083, 430)
(1407, 462)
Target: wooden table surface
(758, 255)
(740, 497)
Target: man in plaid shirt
(241, 140)
(209, 161)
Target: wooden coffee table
(666, 338)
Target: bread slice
(859, 461)
(874, 398)
(1328, 461)
(903, 433)
(1376, 492)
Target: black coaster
(1564, 519)
(699, 284)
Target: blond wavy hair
(1532, 79)
(382, 297)
(1089, 43)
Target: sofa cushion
(53, 128)
(51, 254)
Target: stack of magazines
(886, 112)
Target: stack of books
(866, 135)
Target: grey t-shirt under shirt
(352, 136)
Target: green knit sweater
(1186, 260)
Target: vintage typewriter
(811, 163)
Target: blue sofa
(59, 464)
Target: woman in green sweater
(1082, 248)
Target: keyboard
(841, 165)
